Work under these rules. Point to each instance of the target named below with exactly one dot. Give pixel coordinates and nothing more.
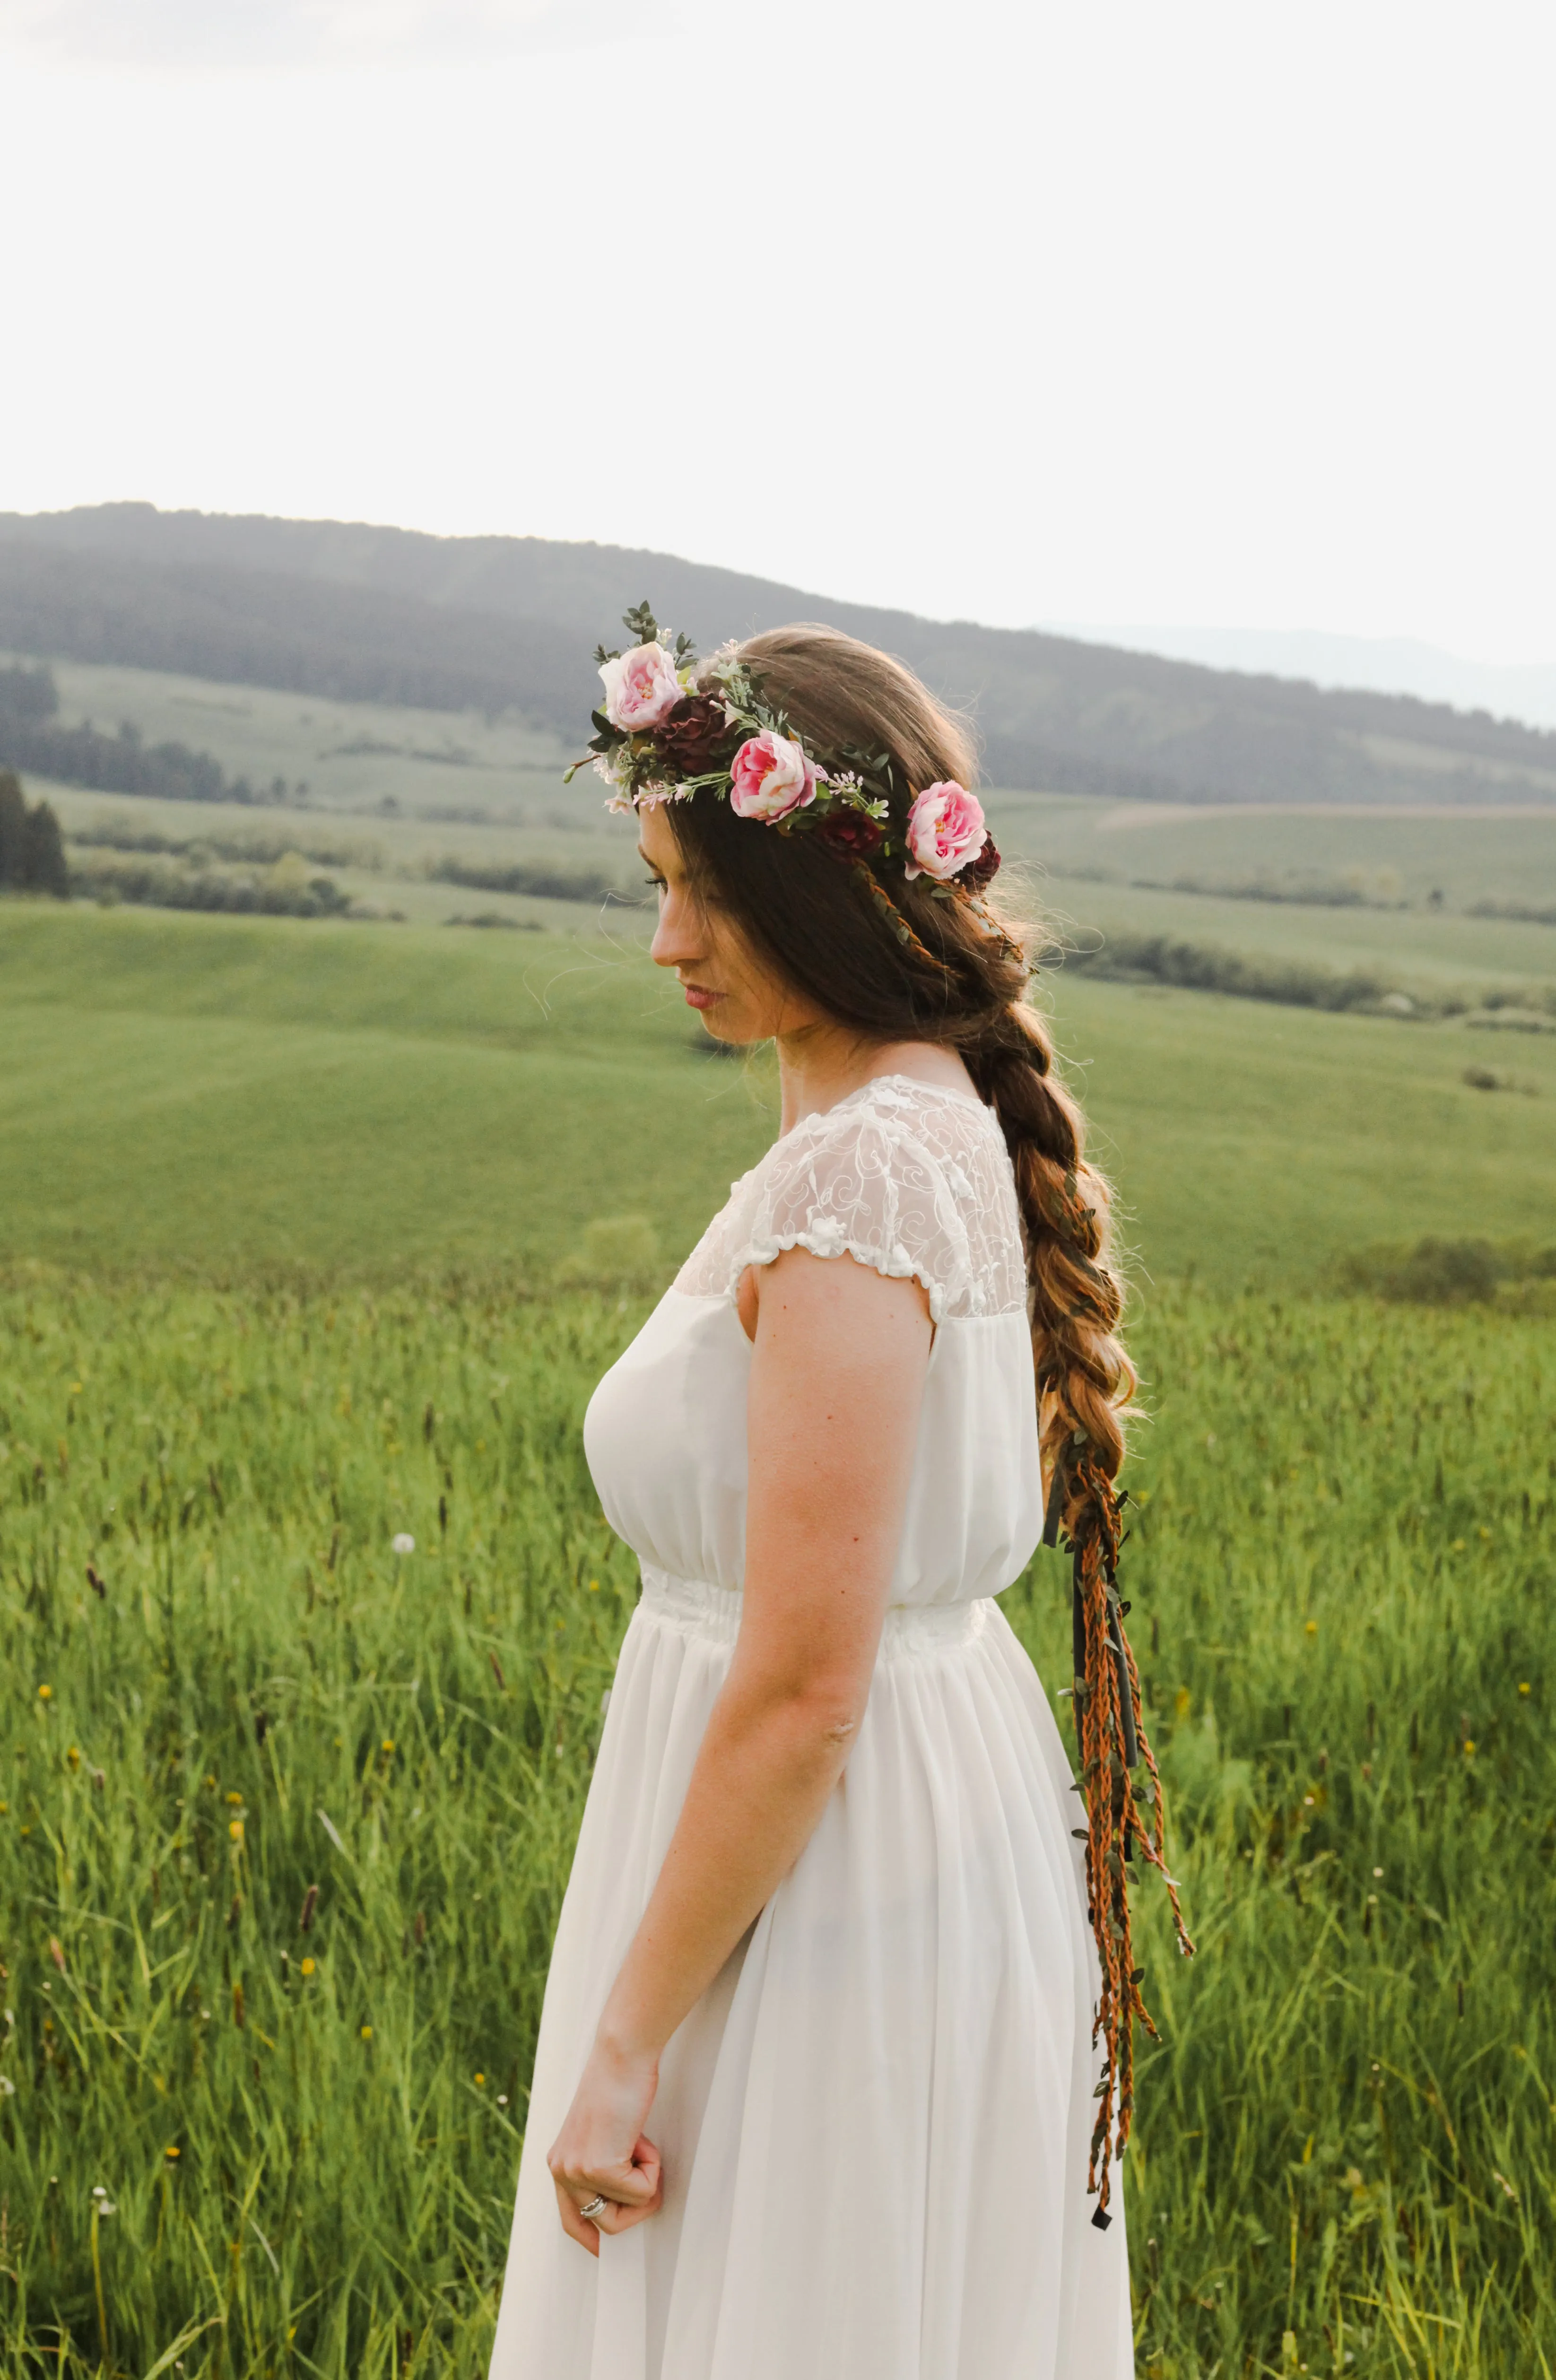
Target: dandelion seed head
(401, 1543)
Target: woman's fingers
(573, 2223)
(647, 2176)
(646, 2165)
(632, 2190)
(613, 2218)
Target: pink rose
(771, 777)
(945, 830)
(641, 687)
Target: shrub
(32, 849)
(285, 892)
(1445, 1272)
(541, 882)
(616, 1252)
(1197, 966)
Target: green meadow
(315, 1236)
(287, 1816)
(229, 1093)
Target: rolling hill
(383, 614)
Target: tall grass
(224, 1688)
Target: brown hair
(891, 959)
(960, 981)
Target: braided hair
(895, 960)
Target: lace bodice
(912, 1180)
(904, 1176)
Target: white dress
(875, 2124)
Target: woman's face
(735, 992)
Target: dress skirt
(875, 2125)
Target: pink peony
(641, 688)
(771, 777)
(945, 830)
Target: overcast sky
(1226, 311)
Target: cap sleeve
(862, 1182)
(905, 1177)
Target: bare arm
(837, 1378)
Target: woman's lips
(698, 997)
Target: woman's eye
(655, 883)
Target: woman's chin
(735, 1032)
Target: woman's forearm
(767, 1765)
(833, 1408)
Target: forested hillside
(387, 614)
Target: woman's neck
(821, 1064)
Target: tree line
(33, 737)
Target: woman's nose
(676, 941)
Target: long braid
(1084, 1384)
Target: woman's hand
(601, 2151)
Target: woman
(814, 2091)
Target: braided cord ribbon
(1121, 1811)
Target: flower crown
(671, 726)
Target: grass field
(284, 1212)
(238, 2142)
(422, 785)
(1466, 856)
(242, 1092)
(353, 756)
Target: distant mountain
(387, 614)
(1525, 691)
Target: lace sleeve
(911, 1181)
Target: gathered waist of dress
(698, 1609)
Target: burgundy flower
(984, 868)
(691, 737)
(850, 834)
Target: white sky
(1233, 310)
